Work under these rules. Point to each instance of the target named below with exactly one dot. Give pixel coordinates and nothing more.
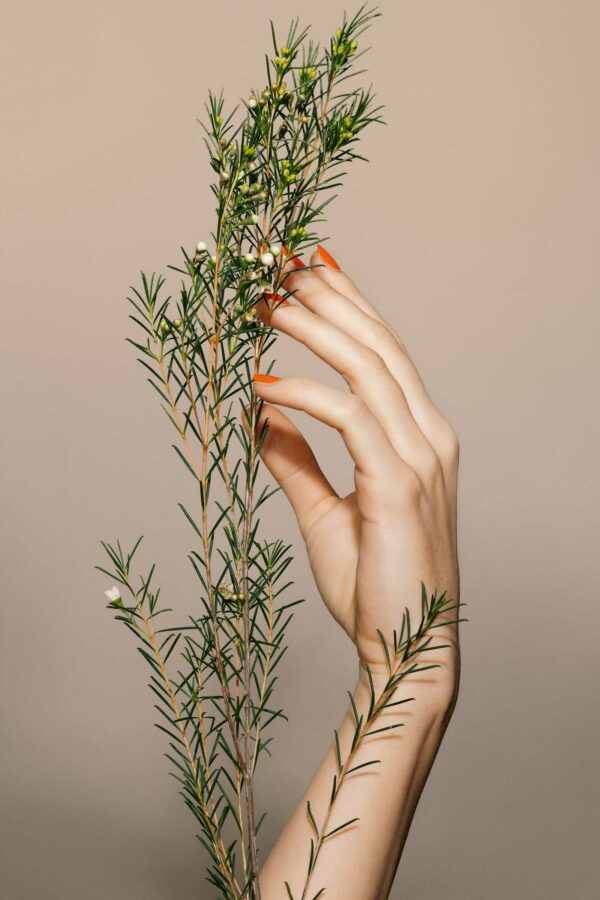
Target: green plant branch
(200, 352)
(400, 655)
(150, 639)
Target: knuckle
(431, 469)
(410, 489)
(366, 362)
(449, 445)
(354, 408)
(386, 338)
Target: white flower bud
(254, 219)
(200, 247)
(267, 259)
(252, 103)
(249, 258)
(275, 249)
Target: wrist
(435, 690)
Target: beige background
(475, 230)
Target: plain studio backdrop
(474, 229)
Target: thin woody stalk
(201, 476)
(249, 773)
(132, 616)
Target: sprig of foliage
(402, 659)
(276, 167)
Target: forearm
(359, 862)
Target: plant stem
(209, 815)
(410, 649)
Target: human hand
(370, 550)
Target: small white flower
(267, 259)
(249, 258)
(114, 594)
(200, 247)
(275, 249)
(213, 260)
(252, 103)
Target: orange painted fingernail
(265, 379)
(295, 259)
(327, 258)
(278, 300)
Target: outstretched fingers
(328, 291)
(367, 375)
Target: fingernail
(265, 379)
(277, 300)
(327, 258)
(294, 259)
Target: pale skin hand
(369, 553)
